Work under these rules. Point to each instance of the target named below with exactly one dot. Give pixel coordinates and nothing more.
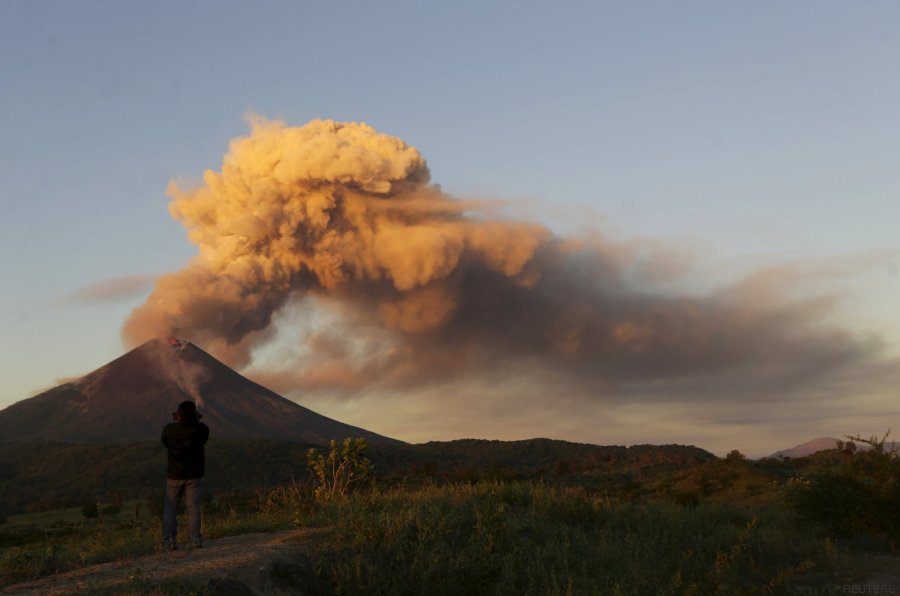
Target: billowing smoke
(331, 207)
(340, 214)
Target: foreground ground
(279, 563)
(273, 563)
(720, 527)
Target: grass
(138, 586)
(44, 519)
(66, 542)
(487, 537)
(528, 538)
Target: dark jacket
(185, 441)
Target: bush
(155, 505)
(859, 498)
(90, 511)
(343, 467)
(111, 510)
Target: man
(184, 440)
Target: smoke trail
(344, 213)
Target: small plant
(155, 505)
(292, 499)
(90, 510)
(111, 510)
(344, 466)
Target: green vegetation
(48, 476)
(139, 586)
(530, 538)
(71, 541)
(529, 517)
(90, 511)
(857, 495)
(342, 468)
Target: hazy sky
(751, 148)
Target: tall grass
(487, 538)
(86, 542)
(528, 538)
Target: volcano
(131, 399)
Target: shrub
(90, 510)
(342, 467)
(111, 509)
(858, 498)
(155, 505)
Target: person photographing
(184, 439)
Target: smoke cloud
(422, 287)
(110, 290)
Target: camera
(176, 418)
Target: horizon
(771, 452)
(730, 206)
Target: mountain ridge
(131, 398)
(807, 448)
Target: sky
(708, 192)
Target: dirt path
(252, 564)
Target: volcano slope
(131, 399)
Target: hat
(187, 407)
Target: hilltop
(131, 398)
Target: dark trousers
(175, 490)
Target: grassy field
(44, 519)
(487, 538)
(528, 538)
(60, 540)
(725, 527)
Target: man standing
(184, 438)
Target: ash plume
(345, 216)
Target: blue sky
(744, 134)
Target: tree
(734, 456)
(342, 467)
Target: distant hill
(131, 399)
(826, 443)
(42, 476)
(533, 456)
(808, 448)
